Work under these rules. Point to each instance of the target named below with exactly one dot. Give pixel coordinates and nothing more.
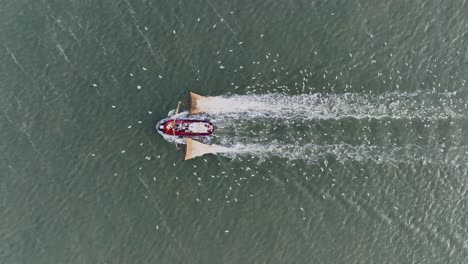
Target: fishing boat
(190, 128)
(178, 126)
(181, 127)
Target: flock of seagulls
(277, 79)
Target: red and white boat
(180, 127)
(177, 126)
(190, 127)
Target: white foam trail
(344, 152)
(428, 106)
(335, 106)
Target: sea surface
(342, 131)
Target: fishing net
(194, 149)
(198, 103)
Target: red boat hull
(185, 127)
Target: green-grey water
(352, 148)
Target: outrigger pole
(178, 106)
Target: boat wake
(429, 106)
(264, 112)
(313, 153)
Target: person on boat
(179, 127)
(170, 125)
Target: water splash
(430, 106)
(314, 153)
